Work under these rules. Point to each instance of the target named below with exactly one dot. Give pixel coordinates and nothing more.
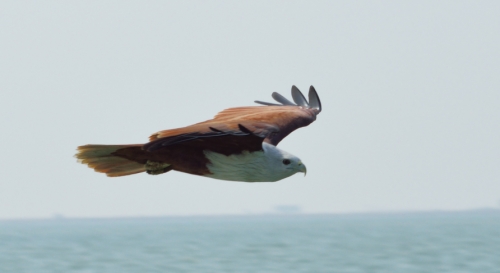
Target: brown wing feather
(270, 123)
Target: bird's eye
(286, 161)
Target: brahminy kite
(238, 144)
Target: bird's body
(239, 144)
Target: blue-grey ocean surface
(415, 242)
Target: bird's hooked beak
(302, 168)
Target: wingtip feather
(281, 99)
(299, 99)
(314, 101)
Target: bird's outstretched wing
(244, 128)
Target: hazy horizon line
(56, 217)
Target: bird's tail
(101, 159)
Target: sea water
(415, 242)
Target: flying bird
(238, 144)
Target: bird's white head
(281, 163)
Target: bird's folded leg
(154, 168)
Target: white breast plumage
(261, 166)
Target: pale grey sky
(410, 93)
